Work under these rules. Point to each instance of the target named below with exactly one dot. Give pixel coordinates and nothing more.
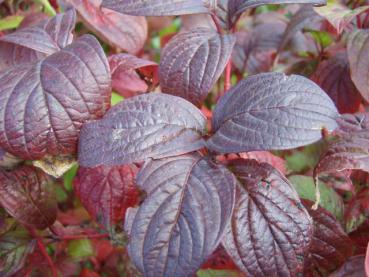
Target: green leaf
(217, 273)
(15, 245)
(10, 22)
(329, 199)
(323, 38)
(79, 249)
(116, 98)
(48, 9)
(68, 177)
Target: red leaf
(353, 267)
(131, 75)
(270, 230)
(357, 210)
(360, 237)
(26, 193)
(107, 191)
(330, 246)
(220, 259)
(333, 76)
(266, 157)
(120, 30)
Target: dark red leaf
(270, 229)
(107, 191)
(271, 111)
(156, 7)
(350, 150)
(333, 76)
(32, 43)
(27, 195)
(131, 75)
(266, 157)
(153, 125)
(353, 267)
(330, 246)
(189, 203)
(192, 62)
(44, 104)
(357, 210)
(360, 238)
(219, 260)
(358, 54)
(122, 31)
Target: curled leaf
(270, 230)
(44, 104)
(153, 125)
(189, 203)
(192, 62)
(271, 111)
(26, 194)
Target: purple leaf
(351, 150)
(353, 267)
(122, 31)
(358, 54)
(330, 246)
(43, 105)
(107, 191)
(271, 111)
(333, 76)
(189, 203)
(305, 16)
(26, 193)
(270, 230)
(131, 75)
(157, 7)
(32, 43)
(192, 62)
(153, 125)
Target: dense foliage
(184, 137)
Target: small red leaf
(107, 191)
(353, 267)
(26, 193)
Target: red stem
(227, 75)
(358, 20)
(366, 19)
(43, 251)
(79, 236)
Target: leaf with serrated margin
(189, 203)
(107, 191)
(271, 111)
(44, 104)
(333, 76)
(192, 62)
(305, 16)
(157, 7)
(153, 125)
(15, 245)
(270, 229)
(350, 150)
(26, 193)
(330, 246)
(358, 54)
(32, 43)
(122, 31)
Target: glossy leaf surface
(122, 31)
(270, 230)
(43, 105)
(107, 191)
(271, 111)
(189, 203)
(153, 125)
(26, 194)
(192, 62)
